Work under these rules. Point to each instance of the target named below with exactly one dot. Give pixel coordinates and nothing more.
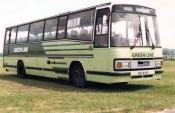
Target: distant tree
(169, 54)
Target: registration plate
(143, 73)
(143, 63)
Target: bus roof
(70, 12)
(62, 14)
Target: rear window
(7, 37)
(13, 35)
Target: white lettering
(21, 50)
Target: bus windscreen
(134, 30)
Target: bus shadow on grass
(66, 86)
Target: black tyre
(77, 75)
(122, 83)
(21, 73)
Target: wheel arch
(79, 62)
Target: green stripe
(65, 49)
(66, 42)
(71, 56)
(62, 45)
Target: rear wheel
(77, 75)
(21, 73)
(123, 83)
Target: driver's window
(102, 24)
(101, 28)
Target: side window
(36, 31)
(7, 36)
(62, 27)
(13, 35)
(22, 33)
(102, 22)
(101, 28)
(50, 29)
(80, 25)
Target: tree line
(168, 54)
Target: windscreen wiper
(148, 36)
(138, 35)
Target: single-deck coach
(107, 43)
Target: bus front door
(101, 40)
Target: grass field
(44, 95)
(1, 69)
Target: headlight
(159, 63)
(122, 65)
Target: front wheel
(77, 75)
(21, 73)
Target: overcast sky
(20, 11)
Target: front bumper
(127, 76)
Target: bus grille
(138, 77)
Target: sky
(13, 12)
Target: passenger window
(22, 33)
(62, 27)
(80, 25)
(50, 29)
(7, 37)
(36, 31)
(13, 35)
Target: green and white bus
(107, 43)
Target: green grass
(1, 69)
(44, 95)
